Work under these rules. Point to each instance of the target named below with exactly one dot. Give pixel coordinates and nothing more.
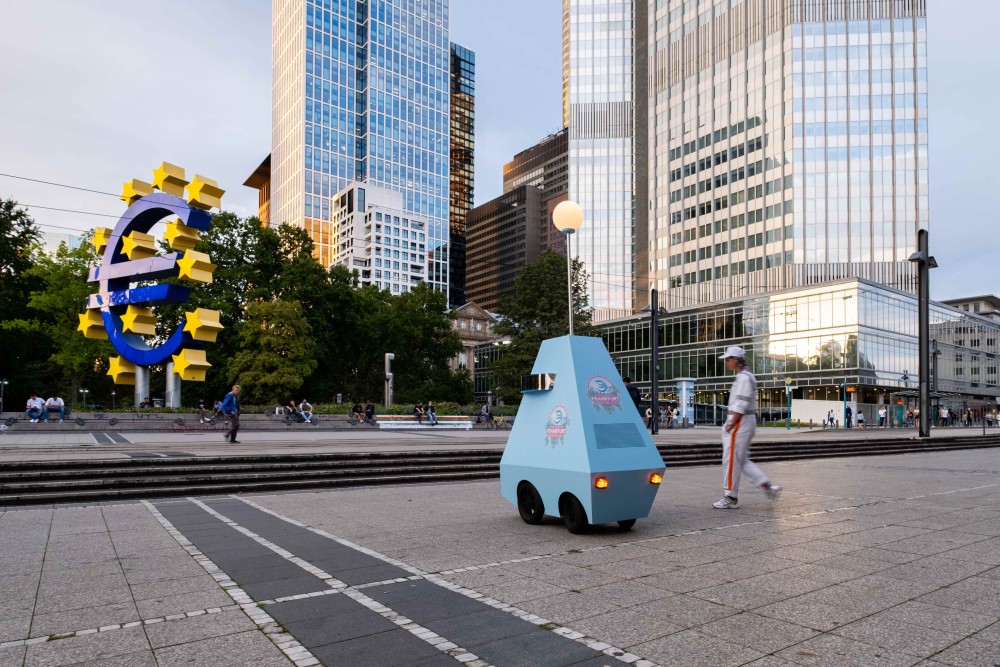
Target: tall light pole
(85, 392)
(925, 262)
(567, 217)
(3, 385)
(389, 356)
(112, 400)
(654, 353)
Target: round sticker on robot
(556, 427)
(603, 395)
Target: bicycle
(498, 422)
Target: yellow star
(100, 240)
(169, 178)
(180, 236)
(134, 189)
(204, 193)
(121, 370)
(196, 266)
(92, 325)
(191, 365)
(139, 320)
(203, 325)
(137, 245)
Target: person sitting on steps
(432, 416)
(306, 410)
(419, 412)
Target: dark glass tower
(463, 147)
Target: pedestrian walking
(649, 418)
(848, 419)
(231, 408)
(633, 392)
(861, 418)
(882, 414)
(738, 432)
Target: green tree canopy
(537, 311)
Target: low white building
(375, 237)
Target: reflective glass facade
(599, 91)
(463, 152)
(788, 144)
(361, 93)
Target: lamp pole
(925, 262)
(112, 400)
(788, 397)
(3, 385)
(84, 392)
(567, 218)
(389, 356)
(654, 339)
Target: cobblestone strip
(285, 642)
(569, 633)
(118, 626)
(420, 632)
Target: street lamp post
(925, 262)
(389, 356)
(85, 392)
(654, 363)
(788, 397)
(567, 217)
(3, 385)
(112, 400)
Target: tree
(538, 311)
(60, 298)
(276, 352)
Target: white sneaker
(34, 421)
(772, 492)
(726, 503)
(60, 421)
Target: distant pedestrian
(649, 418)
(882, 414)
(34, 408)
(861, 418)
(738, 433)
(432, 415)
(231, 408)
(306, 410)
(419, 412)
(633, 393)
(55, 404)
(849, 418)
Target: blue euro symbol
(117, 272)
(602, 386)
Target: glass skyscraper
(361, 93)
(463, 173)
(785, 143)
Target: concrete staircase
(51, 482)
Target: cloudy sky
(99, 91)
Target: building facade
(463, 152)
(847, 341)
(474, 326)
(378, 239)
(604, 84)
(546, 167)
(788, 144)
(361, 93)
(987, 306)
(260, 180)
(505, 235)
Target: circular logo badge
(603, 395)
(557, 426)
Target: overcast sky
(96, 92)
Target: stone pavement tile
(885, 554)
(524, 650)
(423, 601)
(834, 651)
(13, 628)
(83, 619)
(971, 652)
(608, 556)
(12, 656)
(858, 565)
(694, 649)
(343, 626)
(365, 575)
(62, 584)
(770, 661)
(196, 628)
(626, 627)
(628, 593)
(482, 627)
(823, 617)
(567, 607)
(888, 633)
(685, 611)
(386, 649)
(990, 634)
(514, 592)
(628, 569)
(934, 543)
(138, 659)
(83, 648)
(183, 603)
(159, 589)
(268, 590)
(237, 650)
(742, 595)
(820, 574)
(945, 619)
(102, 567)
(678, 582)
(439, 660)
(82, 599)
(987, 551)
(159, 569)
(888, 589)
(935, 569)
(760, 633)
(989, 527)
(806, 553)
(965, 599)
(20, 587)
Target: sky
(96, 92)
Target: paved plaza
(888, 560)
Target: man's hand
(733, 422)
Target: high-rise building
(463, 151)
(604, 83)
(776, 144)
(260, 180)
(505, 235)
(361, 93)
(546, 167)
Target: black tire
(626, 524)
(529, 504)
(573, 514)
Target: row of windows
(735, 269)
(734, 198)
(713, 137)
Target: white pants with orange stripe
(736, 457)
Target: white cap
(734, 351)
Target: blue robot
(578, 448)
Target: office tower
(260, 180)
(788, 144)
(463, 150)
(505, 235)
(546, 167)
(604, 85)
(361, 94)
(378, 239)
